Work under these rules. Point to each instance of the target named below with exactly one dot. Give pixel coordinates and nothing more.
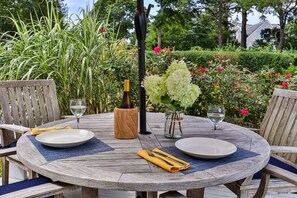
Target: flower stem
(170, 128)
(174, 115)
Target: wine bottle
(126, 101)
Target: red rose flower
(220, 69)
(288, 75)
(244, 111)
(157, 49)
(101, 30)
(285, 84)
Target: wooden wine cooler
(126, 123)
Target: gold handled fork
(150, 153)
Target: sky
(75, 5)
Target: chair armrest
(16, 128)
(271, 170)
(7, 151)
(283, 149)
(280, 173)
(254, 129)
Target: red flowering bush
(244, 94)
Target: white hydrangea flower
(155, 88)
(176, 65)
(175, 85)
(178, 83)
(190, 97)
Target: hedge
(254, 61)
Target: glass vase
(173, 124)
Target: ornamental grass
(83, 60)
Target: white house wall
(256, 34)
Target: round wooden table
(123, 169)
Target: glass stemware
(78, 108)
(216, 114)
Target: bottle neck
(126, 86)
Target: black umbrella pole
(142, 101)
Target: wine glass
(216, 114)
(78, 108)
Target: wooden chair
(24, 104)
(37, 187)
(279, 128)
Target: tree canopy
(25, 10)
(179, 24)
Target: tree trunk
(220, 26)
(282, 24)
(243, 29)
(160, 24)
(159, 35)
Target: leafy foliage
(225, 83)
(291, 33)
(83, 61)
(252, 60)
(26, 10)
(236, 89)
(119, 13)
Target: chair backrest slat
(272, 117)
(30, 115)
(54, 100)
(292, 140)
(29, 103)
(14, 106)
(279, 126)
(21, 104)
(288, 122)
(40, 97)
(48, 105)
(5, 106)
(35, 106)
(276, 124)
(265, 120)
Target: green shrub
(252, 60)
(257, 60)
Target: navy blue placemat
(200, 164)
(49, 153)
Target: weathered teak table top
(123, 169)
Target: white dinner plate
(206, 148)
(65, 138)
